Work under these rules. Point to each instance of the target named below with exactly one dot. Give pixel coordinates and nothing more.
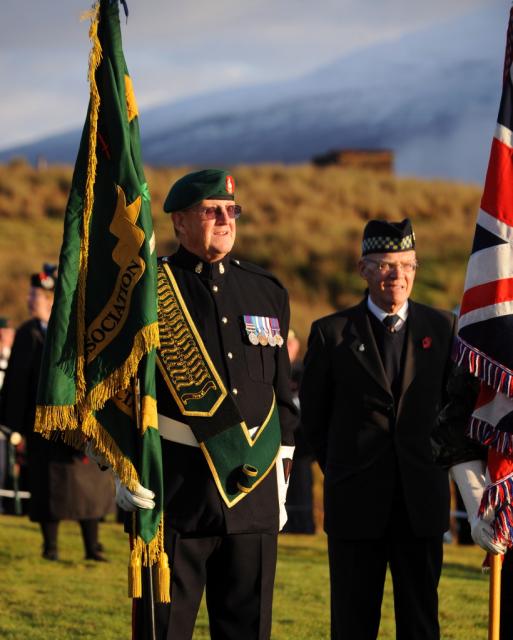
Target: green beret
(214, 184)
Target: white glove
(141, 498)
(482, 534)
(285, 453)
(471, 481)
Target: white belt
(176, 431)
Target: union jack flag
(485, 329)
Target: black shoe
(97, 557)
(50, 554)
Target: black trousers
(357, 575)
(88, 528)
(300, 497)
(237, 571)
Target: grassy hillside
(302, 222)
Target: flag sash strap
(237, 460)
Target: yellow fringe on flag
(135, 575)
(150, 555)
(163, 572)
(106, 447)
(87, 15)
(145, 340)
(95, 57)
(64, 418)
(49, 417)
(163, 579)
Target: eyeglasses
(233, 211)
(385, 267)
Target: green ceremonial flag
(97, 379)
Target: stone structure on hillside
(381, 160)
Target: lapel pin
(361, 347)
(427, 342)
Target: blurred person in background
(6, 340)
(64, 484)
(375, 375)
(299, 496)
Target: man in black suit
(374, 378)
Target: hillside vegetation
(302, 222)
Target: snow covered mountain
(432, 96)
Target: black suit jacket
(373, 452)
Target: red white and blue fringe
(495, 375)
(498, 497)
(487, 435)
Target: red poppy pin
(427, 342)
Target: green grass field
(74, 598)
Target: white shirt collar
(381, 315)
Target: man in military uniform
(373, 378)
(222, 363)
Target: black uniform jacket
(217, 296)
(371, 448)
(450, 443)
(64, 484)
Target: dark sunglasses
(211, 213)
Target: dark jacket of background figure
(64, 484)
(369, 446)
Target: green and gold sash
(237, 460)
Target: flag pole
(147, 593)
(494, 601)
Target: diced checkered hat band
(386, 244)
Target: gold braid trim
(150, 555)
(145, 340)
(95, 57)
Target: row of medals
(271, 339)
